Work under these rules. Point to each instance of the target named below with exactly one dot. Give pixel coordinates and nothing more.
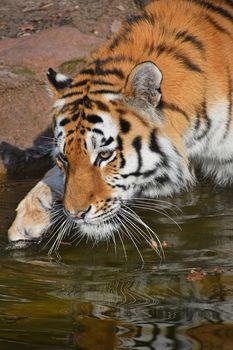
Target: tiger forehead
(104, 126)
(95, 120)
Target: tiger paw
(33, 216)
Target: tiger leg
(33, 212)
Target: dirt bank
(34, 36)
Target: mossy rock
(71, 67)
(22, 70)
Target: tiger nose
(77, 214)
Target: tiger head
(111, 145)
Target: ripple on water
(91, 299)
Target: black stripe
(186, 61)
(155, 147)
(149, 47)
(87, 102)
(70, 132)
(108, 141)
(64, 121)
(217, 26)
(101, 105)
(173, 107)
(117, 72)
(137, 144)
(135, 19)
(70, 94)
(202, 117)
(97, 131)
(230, 109)
(101, 82)
(79, 83)
(145, 174)
(93, 118)
(105, 72)
(122, 36)
(113, 102)
(102, 91)
(161, 49)
(186, 37)
(115, 42)
(121, 111)
(121, 186)
(131, 20)
(197, 123)
(70, 140)
(125, 126)
(150, 18)
(216, 9)
(60, 134)
(120, 147)
(88, 71)
(114, 59)
(74, 103)
(75, 116)
(163, 179)
(149, 173)
(153, 143)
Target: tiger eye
(105, 154)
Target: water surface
(89, 298)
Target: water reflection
(94, 300)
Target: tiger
(153, 104)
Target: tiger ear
(57, 81)
(142, 88)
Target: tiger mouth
(102, 218)
(100, 227)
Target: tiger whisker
(154, 205)
(112, 236)
(133, 241)
(121, 239)
(138, 219)
(142, 234)
(47, 137)
(78, 239)
(153, 200)
(149, 239)
(57, 219)
(157, 211)
(59, 237)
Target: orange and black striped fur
(153, 103)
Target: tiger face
(111, 147)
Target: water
(90, 299)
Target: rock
(25, 104)
(49, 48)
(24, 110)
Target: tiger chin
(154, 101)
